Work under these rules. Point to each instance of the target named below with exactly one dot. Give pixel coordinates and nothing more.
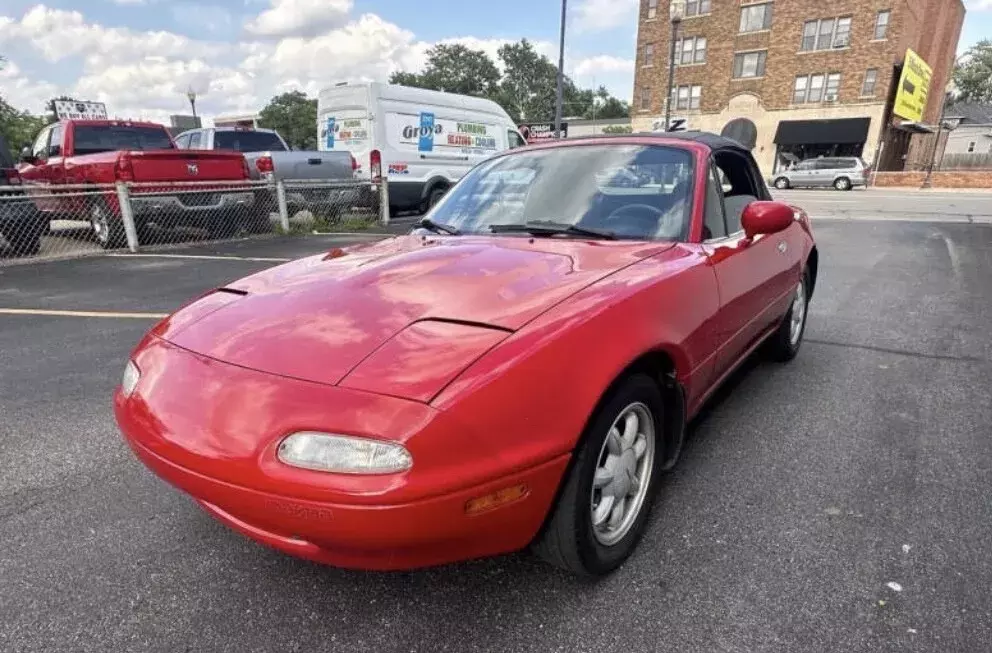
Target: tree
(529, 87)
(618, 129)
(454, 68)
(973, 76)
(294, 116)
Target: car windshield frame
(628, 190)
(116, 143)
(235, 134)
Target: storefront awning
(811, 132)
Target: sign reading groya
(430, 133)
(914, 88)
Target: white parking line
(101, 314)
(209, 257)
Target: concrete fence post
(384, 202)
(127, 216)
(283, 209)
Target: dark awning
(812, 132)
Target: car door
(35, 171)
(55, 160)
(752, 274)
(823, 173)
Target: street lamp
(561, 72)
(677, 11)
(948, 94)
(191, 95)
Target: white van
(423, 141)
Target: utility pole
(561, 72)
(676, 15)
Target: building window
(826, 34)
(833, 87)
(816, 88)
(690, 50)
(971, 147)
(697, 7)
(755, 18)
(749, 64)
(686, 97)
(868, 86)
(652, 9)
(882, 24)
(799, 92)
(649, 54)
(645, 98)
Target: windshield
(632, 191)
(247, 141)
(91, 139)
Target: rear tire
(107, 225)
(433, 198)
(784, 344)
(607, 495)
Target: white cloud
(145, 74)
(299, 18)
(979, 5)
(603, 15)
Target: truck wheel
(108, 228)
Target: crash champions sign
(430, 133)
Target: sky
(141, 56)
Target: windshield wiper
(550, 228)
(438, 228)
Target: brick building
(808, 77)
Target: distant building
(973, 133)
(801, 78)
(242, 120)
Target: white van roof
(333, 94)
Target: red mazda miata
(518, 370)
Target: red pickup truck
(72, 152)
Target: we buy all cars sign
(74, 110)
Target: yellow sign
(914, 88)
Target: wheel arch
(437, 181)
(813, 263)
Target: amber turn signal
(496, 499)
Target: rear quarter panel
(535, 393)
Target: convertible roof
(709, 139)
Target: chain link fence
(38, 222)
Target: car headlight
(130, 379)
(342, 454)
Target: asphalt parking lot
(838, 503)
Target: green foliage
(618, 129)
(18, 127)
(973, 76)
(294, 116)
(527, 88)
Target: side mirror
(27, 156)
(766, 218)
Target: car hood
(319, 317)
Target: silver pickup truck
(270, 159)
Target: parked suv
(843, 173)
(21, 225)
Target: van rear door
(344, 124)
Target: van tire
(842, 183)
(782, 183)
(433, 198)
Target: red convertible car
(517, 371)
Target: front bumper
(212, 429)
(372, 537)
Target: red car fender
(539, 388)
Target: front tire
(782, 183)
(842, 183)
(604, 505)
(786, 341)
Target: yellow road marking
(103, 314)
(208, 257)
